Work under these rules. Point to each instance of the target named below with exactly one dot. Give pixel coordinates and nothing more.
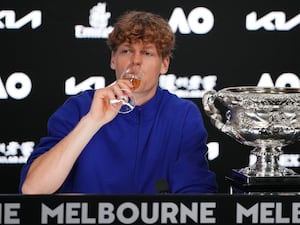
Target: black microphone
(162, 186)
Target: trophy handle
(208, 101)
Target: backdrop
(51, 50)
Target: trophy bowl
(264, 118)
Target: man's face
(146, 55)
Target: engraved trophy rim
(261, 90)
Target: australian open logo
(98, 21)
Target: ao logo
(18, 86)
(199, 21)
(283, 80)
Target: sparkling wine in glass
(134, 74)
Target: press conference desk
(223, 209)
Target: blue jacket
(162, 139)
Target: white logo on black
(8, 19)
(98, 21)
(273, 21)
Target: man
(91, 148)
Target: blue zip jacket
(162, 139)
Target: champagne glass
(132, 73)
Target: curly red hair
(143, 26)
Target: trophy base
(241, 183)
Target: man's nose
(137, 58)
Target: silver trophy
(264, 118)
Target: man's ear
(165, 65)
(112, 61)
